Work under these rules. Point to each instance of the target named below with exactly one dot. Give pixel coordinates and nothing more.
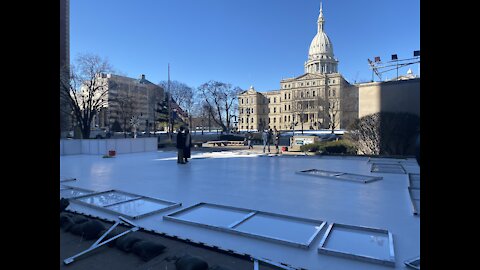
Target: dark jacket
(188, 144)
(180, 140)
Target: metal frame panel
(387, 164)
(410, 180)
(412, 201)
(136, 197)
(413, 263)
(325, 250)
(341, 176)
(66, 187)
(67, 179)
(252, 213)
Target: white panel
(102, 147)
(72, 147)
(138, 145)
(93, 147)
(151, 144)
(124, 146)
(85, 146)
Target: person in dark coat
(188, 144)
(180, 145)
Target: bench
(225, 143)
(218, 143)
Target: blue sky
(242, 42)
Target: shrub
(312, 147)
(231, 137)
(338, 147)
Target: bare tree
(85, 90)
(385, 133)
(125, 103)
(333, 111)
(220, 99)
(181, 93)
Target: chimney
(143, 76)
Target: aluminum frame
(136, 197)
(98, 244)
(67, 179)
(411, 263)
(410, 180)
(231, 227)
(387, 164)
(66, 187)
(324, 250)
(341, 175)
(415, 210)
(251, 213)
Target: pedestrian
(277, 139)
(180, 145)
(266, 140)
(249, 140)
(188, 144)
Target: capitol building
(321, 98)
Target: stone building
(322, 98)
(127, 97)
(319, 98)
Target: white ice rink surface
(261, 183)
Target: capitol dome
(320, 45)
(320, 55)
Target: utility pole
(170, 120)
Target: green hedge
(332, 147)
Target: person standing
(249, 140)
(188, 144)
(180, 145)
(266, 140)
(276, 139)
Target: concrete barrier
(102, 146)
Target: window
(285, 107)
(242, 100)
(247, 100)
(269, 120)
(274, 100)
(289, 108)
(285, 118)
(308, 83)
(274, 120)
(333, 92)
(313, 93)
(301, 94)
(275, 110)
(269, 100)
(288, 95)
(252, 110)
(247, 120)
(313, 83)
(285, 96)
(252, 120)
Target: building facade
(126, 98)
(321, 98)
